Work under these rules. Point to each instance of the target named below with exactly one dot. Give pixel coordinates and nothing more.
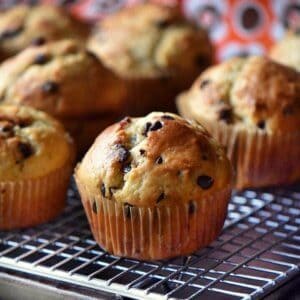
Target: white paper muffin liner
(31, 202)
(155, 233)
(259, 158)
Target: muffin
(36, 156)
(23, 25)
(154, 50)
(287, 50)
(252, 107)
(68, 82)
(154, 187)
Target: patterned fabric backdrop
(237, 27)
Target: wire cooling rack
(258, 250)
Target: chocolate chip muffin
(154, 50)
(23, 25)
(68, 82)
(252, 106)
(36, 156)
(154, 187)
(287, 50)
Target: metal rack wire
(258, 250)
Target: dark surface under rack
(258, 250)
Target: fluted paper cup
(31, 202)
(158, 232)
(259, 158)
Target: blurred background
(236, 27)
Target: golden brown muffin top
(61, 78)
(253, 92)
(148, 40)
(287, 51)
(154, 160)
(32, 144)
(23, 25)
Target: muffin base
(259, 159)
(155, 233)
(31, 202)
(147, 95)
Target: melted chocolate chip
(261, 124)
(167, 117)
(205, 181)
(50, 87)
(225, 115)
(142, 151)
(162, 23)
(41, 59)
(160, 197)
(25, 149)
(204, 157)
(11, 33)
(66, 2)
(38, 41)
(201, 61)
(6, 129)
(147, 128)
(127, 210)
(126, 168)
(112, 190)
(192, 207)
(103, 189)
(204, 83)
(94, 207)
(159, 160)
(123, 153)
(156, 126)
(288, 110)
(91, 54)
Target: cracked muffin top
(287, 51)
(254, 93)
(61, 78)
(23, 25)
(154, 160)
(31, 144)
(148, 40)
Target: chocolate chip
(41, 59)
(25, 149)
(167, 117)
(127, 210)
(112, 190)
(261, 124)
(162, 23)
(6, 129)
(204, 83)
(225, 115)
(123, 153)
(202, 61)
(38, 41)
(11, 33)
(126, 168)
(156, 126)
(160, 197)
(147, 128)
(288, 110)
(205, 181)
(50, 87)
(94, 207)
(204, 157)
(91, 54)
(159, 160)
(142, 151)
(103, 189)
(192, 207)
